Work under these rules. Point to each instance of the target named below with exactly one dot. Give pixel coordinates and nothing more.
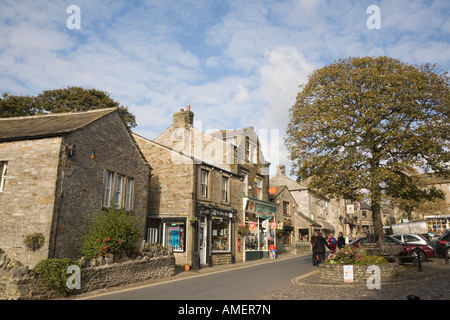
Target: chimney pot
(188, 108)
(181, 110)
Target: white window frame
(259, 188)
(225, 186)
(152, 235)
(204, 176)
(118, 189)
(245, 185)
(3, 170)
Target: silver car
(413, 238)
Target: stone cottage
(58, 171)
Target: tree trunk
(376, 213)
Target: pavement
(433, 283)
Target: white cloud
(238, 63)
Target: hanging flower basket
(242, 229)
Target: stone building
(312, 212)
(193, 206)
(201, 187)
(195, 193)
(259, 214)
(58, 171)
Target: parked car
(411, 250)
(443, 244)
(414, 238)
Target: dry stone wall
(17, 282)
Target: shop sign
(261, 208)
(273, 225)
(348, 273)
(252, 227)
(350, 209)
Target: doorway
(202, 238)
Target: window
(250, 149)
(259, 186)
(286, 208)
(245, 185)
(220, 234)
(129, 194)
(224, 189)
(3, 169)
(107, 189)
(118, 186)
(174, 236)
(204, 184)
(152, 235)
(119, 189)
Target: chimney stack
(184, 118)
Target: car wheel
(418, 254)
(448, 252)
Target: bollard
(418, 261)
(419, 265)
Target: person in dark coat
(341, 240)
(314, 254)
(318, 245)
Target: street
(247, 282)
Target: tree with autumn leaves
(360, 126)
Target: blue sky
(237, 63)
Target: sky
(237, 63)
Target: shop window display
(174, 236)
(220, 234)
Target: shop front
(170, 232)
(261, 227)
(215, 240)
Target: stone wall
(18, 283)
(335, 273)
(27, 203)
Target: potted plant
(187, 267)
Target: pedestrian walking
(332, 242)
(315, 258)
(341, 240)
(319, 243)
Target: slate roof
(48, 125)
